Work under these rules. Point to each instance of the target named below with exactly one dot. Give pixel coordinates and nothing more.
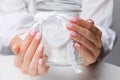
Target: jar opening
(57, 6)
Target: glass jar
(50, 19)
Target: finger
(27, 41)
(34, 63)
(85, 24)
(90, 21)
(86, 54)
(80, 39)
(42, 68)
(31, 51)
(98, 32)
(19, 58)
(85, 33)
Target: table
(99, 71)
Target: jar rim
(65, 6)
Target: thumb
(16, 49)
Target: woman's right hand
(29, 53)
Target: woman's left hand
(87, 39)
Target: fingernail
(40, 47)
(41, 62)
(70, 25)
(38, 36)
(32, 33)
(73, 19)
(77, 45)
(73, 33)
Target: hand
(87, 39)
(29, 55)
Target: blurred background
(114, 56)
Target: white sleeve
(101, 12)
(14, 15)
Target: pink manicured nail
(41, 62)
(38, 36)
(32, 33)
(40, 48)
(77, 45)
(73, 33)
(73, 19)
(70, 25)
